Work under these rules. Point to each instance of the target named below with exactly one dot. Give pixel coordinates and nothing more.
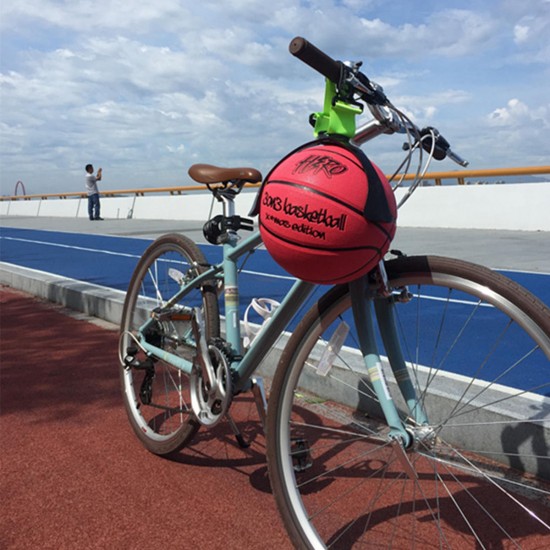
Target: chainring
(211, 403)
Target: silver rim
(449, 465)
(171, 407)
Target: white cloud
(530, 30)
(516, 113)
(83, 15)
(146, 88)
(521, 33)
(520, 133)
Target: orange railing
(459, 175)
(462, 175)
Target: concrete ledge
(95, 300)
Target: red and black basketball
(327, 214)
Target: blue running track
(110, 260)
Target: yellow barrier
(437, 177)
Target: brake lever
(441, 145)
(352, 77)
(371, 92)
(441, 149)
(457, 158)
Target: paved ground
(75, 476)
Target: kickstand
(258, 390)
(238, 435)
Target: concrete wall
(523, 207)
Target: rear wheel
(157, 396)
(477, 349)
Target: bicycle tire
(158, 404)
(333, 471)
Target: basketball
(327, 214)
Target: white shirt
(91, 184)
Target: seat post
(227, 198)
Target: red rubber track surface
(74, 476)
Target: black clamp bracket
(215, 230)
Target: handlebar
(349, 81)
(316, 59)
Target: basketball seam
(328, 248)
(321, 193)
(350, 276)
(383, 229)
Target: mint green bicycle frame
(362, 306)
(341, 120)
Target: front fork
(363, 301)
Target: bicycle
(422, 441)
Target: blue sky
(145, 89)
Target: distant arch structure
(22, 185)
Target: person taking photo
(93, 192)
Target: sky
(144, 89)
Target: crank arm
(203, 355)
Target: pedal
(301, 455)
(130, 361)
(131, 352)
(146, 390)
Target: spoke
(168, 409)
(340, 466)
(418, 328)
(341, 496)
(382, 490)
(369, 394)
(460, 407)
(480, 368)
(435, 514)
(398, 513)
(475, 408)
(433, 371)
(493, 475)
(155, 280)
(440, 331)
(492, 482)
(353, 435)
(476, 500)
(457, 338)
(359, 375)
(502, 422)
(177, 386)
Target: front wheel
(476, 347)
(157, 396)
